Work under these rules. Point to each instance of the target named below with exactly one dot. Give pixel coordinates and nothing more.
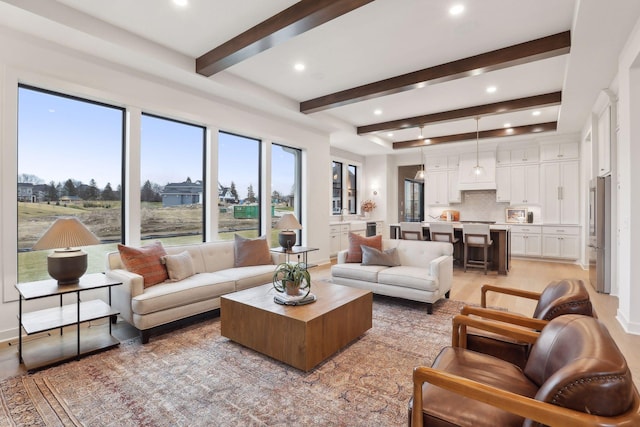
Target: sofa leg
(429, 308)
(144, 336)
(447, 294)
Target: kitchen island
(499, 254)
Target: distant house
(182, 193)
(225, 195)
(25, 192)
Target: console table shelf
(70, 343)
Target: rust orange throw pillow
(355, 252)
(146, 262)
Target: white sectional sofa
(425, 272)
(149, 307)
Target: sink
(358, 225)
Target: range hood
(468, 180)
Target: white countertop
(458, 225)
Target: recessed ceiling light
(299, 66)
(377, 112)
(507, 125)
(427, 141)
(510, 130)
(456, 9)
(420, 85)
(491, 89)
(181, 3)
(390, 134)
(536, 113)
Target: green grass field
(172, 226)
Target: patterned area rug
(195, 377)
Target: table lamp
(67, 263)
(287, 238)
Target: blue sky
(61, 138)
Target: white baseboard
(629, 327)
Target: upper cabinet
(525, 155)
(561, 192)
(525, 184)
(559, 151)
(605, 137)
(469, 180)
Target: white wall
(628, 184)
(42, 64)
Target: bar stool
(411, 231)
(476, 236)
(443, 232)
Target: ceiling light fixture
(491, 89)
(181, 3)
(456, 9)
(377, 112)
(477, 169)
(536, 113)
(299, 66)
(507, 125)
(420, 174)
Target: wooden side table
(66, 346)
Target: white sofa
(146, 308)
(425, 273)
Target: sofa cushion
(355, 241)
(145, 261)
(248, 277)
(179, 266)
(368, 273)
(250, 252)
(372, 256)
(199, 287)
(409, 277)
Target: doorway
(410, 194)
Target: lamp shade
(288, 222)
(66, 264)
(66, 233)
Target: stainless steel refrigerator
(599, 246)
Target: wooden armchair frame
(508, 291)
(545, 413)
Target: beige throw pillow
(179, 266)
(249, 252)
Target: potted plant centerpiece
(291, 278)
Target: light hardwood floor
(531, 275)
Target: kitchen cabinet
(436, 162)
(503, 184)
(561, 242)
(603, 156)
(503, 157)
(525, 184)
(454, 196)
(559, 151)
(525, 155)
(560, 192)
(468, 180)
(526, 240)
(338, 238)
(436, 188)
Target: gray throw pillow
(248, 252)
(372, 256)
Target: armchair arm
(509, 291)
(543, 412)
(461, 322)
(505, 316)
(132, 285)
(342, 256)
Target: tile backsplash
(480, 205)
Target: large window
(172, 184)
(69, 164)
(353, 189)
(238, 186)
(285, 185)
(336, 199)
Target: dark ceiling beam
(297, 19)
(534, 50)
(510, 106)
(493, 133)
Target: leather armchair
(575, 376)
(568, 296)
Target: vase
(366, 214)
(291, 288)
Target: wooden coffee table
(300, 336)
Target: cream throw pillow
(179, 266)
